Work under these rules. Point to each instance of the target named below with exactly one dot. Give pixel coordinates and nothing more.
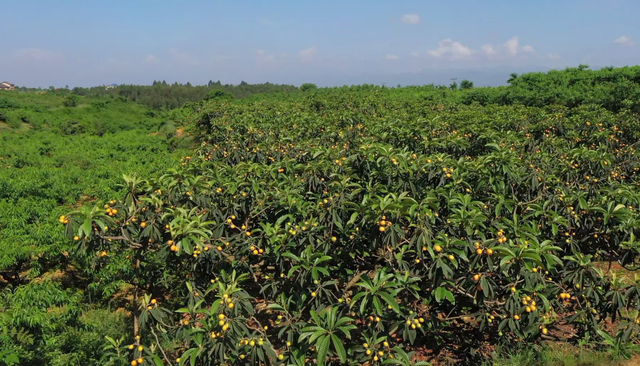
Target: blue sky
(86, 43)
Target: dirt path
(635, 361)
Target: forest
(358, 225)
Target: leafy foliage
(55, 309)
(361, 225)
(354, 225)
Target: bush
(71, 101)
(219, 95)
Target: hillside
(54, 158)
(69, 114)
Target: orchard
(349, 227)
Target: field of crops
(356, 225)
(370, 226)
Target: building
(7, 86)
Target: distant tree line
(613, 88)
(162, 95)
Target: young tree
(466, 84)
(308, 87)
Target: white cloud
(37, 54)
(512, 46)
(448, 47)
(150, 60)
(553, 56)
(528, 49)
(624, 41)
(309, 53)
(509, 49)
(410, 19)
(415, 54)
(264, 57)
(489, 49)
(184, 58)
(392, 57)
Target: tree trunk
(135, 303)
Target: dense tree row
(161, 95)
(611, 88)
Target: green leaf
(337, 344)
(157, 360)
(442, 293)
(315, 317)
(323, 349)
(317, 334)
(86, 227)
(12, 359)
(390, 300)
(378, 305)
(352, 219)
